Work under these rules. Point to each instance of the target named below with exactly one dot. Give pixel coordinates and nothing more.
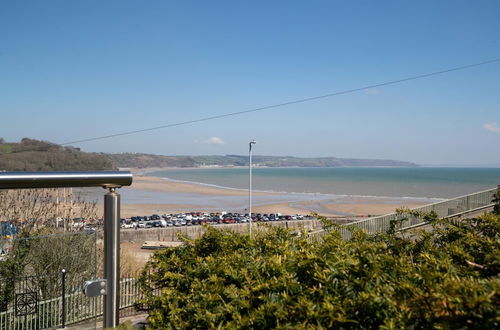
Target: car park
(200, 218)
(127, 225)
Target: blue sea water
(421, 182)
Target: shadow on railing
(448, 208)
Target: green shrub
(447, 278)
(496, 202)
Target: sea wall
(169, 234)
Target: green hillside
(35, 155)
(140, 160)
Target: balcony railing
(448, 208)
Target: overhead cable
(278, 105)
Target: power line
(278, 105)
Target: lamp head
(250, 145)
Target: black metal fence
(32, 302)
(41, 280)
(31, 307)
(40, 275)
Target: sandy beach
(149, 195)
(152, 183)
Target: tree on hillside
(35, 155)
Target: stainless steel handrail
(24, 180)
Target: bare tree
(33, 209)
(42, 249)
(49, 255)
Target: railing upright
(63, 298)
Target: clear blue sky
(71, 70)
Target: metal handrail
(428, 205)
(24, 180)
(446, 208)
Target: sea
(416, 182)
(314, 187)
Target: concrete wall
(169, 234)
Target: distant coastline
(149, 170)
(141, 160)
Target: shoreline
(149, 195)
(424, 200)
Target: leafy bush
(446, 278)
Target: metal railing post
(112, 258)
(63, 289)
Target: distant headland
(36, 155)
(140, 160)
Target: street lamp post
(250, 187)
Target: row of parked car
(198, 218)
